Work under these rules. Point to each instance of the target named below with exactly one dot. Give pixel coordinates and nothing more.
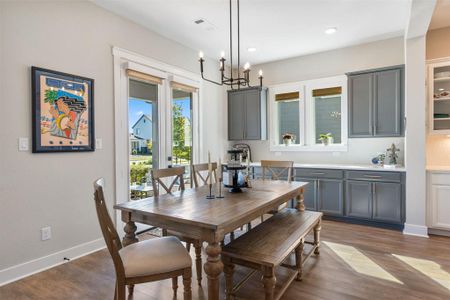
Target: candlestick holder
(220, 189)
(210, 196)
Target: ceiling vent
(199, 21)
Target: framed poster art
(62, 112)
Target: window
(327, 114)
(313, 113)
(288, 107)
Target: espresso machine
(236, 178)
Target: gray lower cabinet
(374, 197)
(330, 196)
(387, 202)
(309, 194)
(376, 102)
(358, 200)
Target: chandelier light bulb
(247, 66)
(222, 54)
(260, 73)
(200, 54)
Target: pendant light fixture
(233, 82)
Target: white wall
(331, 63)
(38, 190)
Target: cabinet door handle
(372, 176)
(317, 173)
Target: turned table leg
(269, 280)
(300, 203)
(213, 269)
(130, 234)
(317, 229)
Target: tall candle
(219, 168)
(209, 169)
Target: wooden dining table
(192, 214)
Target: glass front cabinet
(439, 96)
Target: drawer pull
(317, 173)
(372, 176)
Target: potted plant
(326, 138)
(288, 138)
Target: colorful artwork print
(62, 112)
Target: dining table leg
(300, 205)
(213, 268)
(130, 234)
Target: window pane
(182, 131)
(288, 119)
(328, 117)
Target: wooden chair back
(281, 166)
(200, 179)
(158, 175)
(107, 226)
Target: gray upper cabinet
(236, 119)
(247, 114)
(376, 102)
(360, 105)
(388, 110)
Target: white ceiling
(277, 28)
(441, 15)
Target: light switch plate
(98, 143)
(23, 144)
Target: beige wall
(331, 63)
(38, 190)
(438, 146)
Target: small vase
(325, 142)
(287, 142)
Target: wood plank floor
(356, 262)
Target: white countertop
(361, 167)
(438, 168)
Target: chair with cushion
(159, 179)
(145, 261)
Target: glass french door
(143, 124)
(182, 134)
(160, 129)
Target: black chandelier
(231, 81)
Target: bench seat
(267, 245)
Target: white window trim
(123, 59)
(306, 114)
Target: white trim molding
(416, 230)
(40, 264)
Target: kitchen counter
(438, 169)
(362, 167)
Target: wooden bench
(266, 246)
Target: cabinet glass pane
(441, 97)
(327, 112)
(288, 120)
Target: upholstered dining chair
(145, 261)
(159, 179)
(275, 170)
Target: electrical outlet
(46, 233)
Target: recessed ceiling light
(331, 30)
(251, 49)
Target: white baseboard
(46, 262)
(416, 230)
